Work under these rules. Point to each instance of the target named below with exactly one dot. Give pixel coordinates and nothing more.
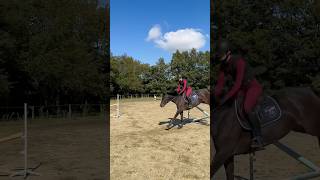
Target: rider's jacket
(239, 71)
(184, 88)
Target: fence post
(70, 111)
(58, 107)
(84, 111)
(101, 108)
(25, 136)
(41, 113)
(25, 171)
(32, 112)
(118, 105)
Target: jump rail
(315, 169)
(203, 111)
(199, 119)
(11, 137)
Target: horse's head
(165, 99)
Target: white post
(69, 113)
(25, 171)
(25, 140)
(118, 105)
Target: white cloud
(154, 33)
(182, 39)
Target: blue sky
(175, 23)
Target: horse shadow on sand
(177, 122)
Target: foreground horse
(300, 112)
(198, 96)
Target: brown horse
(201, 96)
(300, 112)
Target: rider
(234, 65)
(186, 90)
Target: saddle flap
(267, 110)
(194, 97)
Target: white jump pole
(203, 111)
(25, 172)
(118, 105)
(307, 163)
(25, 140)
(200, 119)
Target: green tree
(281, 38)
(51, 50)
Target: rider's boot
(189, 103)
(257, 141)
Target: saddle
(193, 98)
(267, 111)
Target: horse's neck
(174, 99)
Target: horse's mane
(228, 104)
(172, 93)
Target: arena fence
(52, 111)
(116, 101)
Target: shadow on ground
(177, 122)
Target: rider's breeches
(188, 91)
(253, 92)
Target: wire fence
(135, 96)
(117, 100)
(53, 111)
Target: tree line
(282, 38)
(130, 76)
(52, 52)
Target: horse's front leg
(169, 126)
(229, 168)
(220, 158)
(181, 118)
(176, 115)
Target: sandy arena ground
(273, 164)
(141, 149)
(69, 149)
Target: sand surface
(68, 149)
(143, 149)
